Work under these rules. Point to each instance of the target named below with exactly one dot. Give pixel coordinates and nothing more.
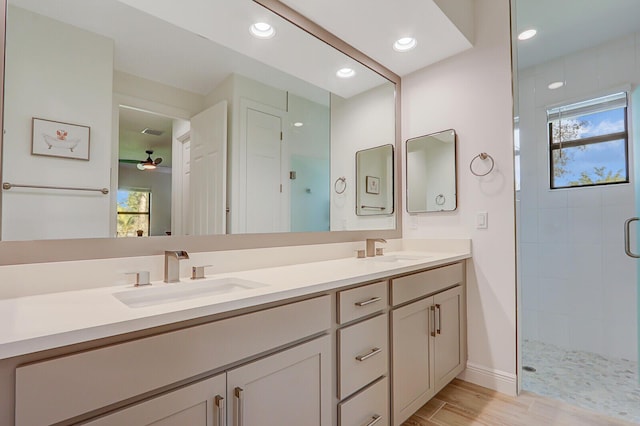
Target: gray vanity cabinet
(428, 336)
(289, 388)
(413, 383)
(199, 404)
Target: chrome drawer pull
(433, 324)
(373, 352)
(375, 419)
(240, 406)
(219, 403)
(368, 302)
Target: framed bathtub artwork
(373, 185)
(58, 139)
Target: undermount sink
(167, 293)
(397, 258)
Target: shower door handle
(627, 238)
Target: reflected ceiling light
(404, 44)
(555, 85)
(298, 124)
(262, 30)
(345, 73)
(526, 35)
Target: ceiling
(442, 28)
(133, 143)
(566, 26)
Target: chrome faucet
(371, 245)
(172, 260)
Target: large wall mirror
(129, 119)
(431, 173)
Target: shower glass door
(577, 117)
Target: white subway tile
(585, 224)
(553, 225)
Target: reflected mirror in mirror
(374, 169)
(196, 127)
(431, 173)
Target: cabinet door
(413, 384)
(292, 387)
(200, 404)
(449, 358)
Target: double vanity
(335, 342)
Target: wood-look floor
(462, 403)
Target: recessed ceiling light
(345, 73)
(262, 30)
(298, 124)
(556, 85)
(404, 44)
(526, 35)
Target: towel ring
(341, 182)
(482, 156)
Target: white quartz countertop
(36, 323)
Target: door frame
(122, 100)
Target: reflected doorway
(146, 165)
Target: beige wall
(471, 93)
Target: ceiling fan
(148, 164)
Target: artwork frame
(51, 138)
(373, 185)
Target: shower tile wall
(578, 286)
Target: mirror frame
(39, 251)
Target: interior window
(134, 213)
(588, 142)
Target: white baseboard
(497, 380)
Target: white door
(264, 211)
(208, 180)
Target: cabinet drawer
(368, 407)
(414, 286)
(76, 384)
(363, 354)
(361, 301)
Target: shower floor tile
(584, 379)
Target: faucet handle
(142, 278)
(197, 272)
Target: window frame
(610, 137)
(147, 213)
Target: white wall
(184, 104)
(471, 93)
(158, 182)
(360, 122)
(579, 287)
(56, 72)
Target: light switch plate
(482, 220)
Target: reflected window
(588, 142)
(134, 213)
